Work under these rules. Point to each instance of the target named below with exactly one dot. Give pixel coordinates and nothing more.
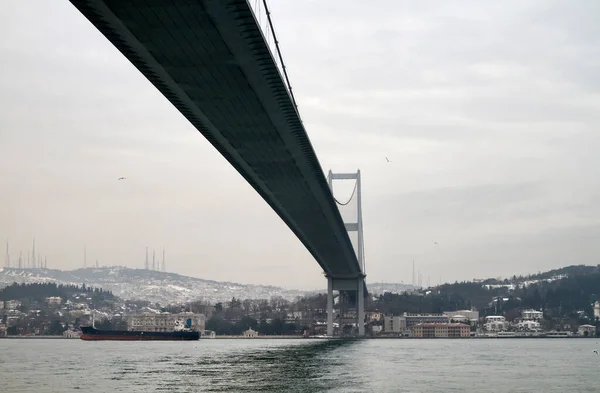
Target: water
(517, 365)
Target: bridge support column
(330, 306)
(355, 285)
(360, 306)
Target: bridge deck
(210, 60)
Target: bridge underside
(210, 60)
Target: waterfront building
(533, 315)
(415, 319)
(440, 330)
(495, 323)
(597, 310)
(165, 322)
(587, 331)
(394, 324)
(528, 325)
(250, 333)
(71, 333)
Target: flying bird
(435, 242)
(121, 178)
(595, 351)
(387, 159)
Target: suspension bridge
(212, 59)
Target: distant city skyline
(473, 125)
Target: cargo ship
(181, 333)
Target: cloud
(487, 110)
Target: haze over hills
(164, 288)
(154, 286)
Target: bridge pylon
(354, 227)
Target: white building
(528, 325)
(250, 333)
(459, 318)
(165, 322)
(597, 310)
(495, 323)
(71, 333)
(54, 300)
(471, 315)
(394, 324)
(587, 331)
(532, 315)
(415, 319)
(12, 304)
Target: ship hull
(91, 334)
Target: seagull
(595, 351)
(121, 178)
(387, 159)
(435, 242)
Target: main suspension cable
(351, 196)
(287, 79)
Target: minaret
(146, 266)
(84, 257)
(45, 262)
(413, 278)
(28, 263)
(164, 269)
(20, 259)
(153, 261)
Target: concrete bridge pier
(348, 284)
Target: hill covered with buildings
(562, 300)
(150, 285)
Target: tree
(55, 328)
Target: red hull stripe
(104, 337)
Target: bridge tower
(354, 226)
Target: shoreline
(39, 338)
(228, 337)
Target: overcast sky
(489, 112)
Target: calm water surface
(521, 365)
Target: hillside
(154, 286)
(565, 295)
